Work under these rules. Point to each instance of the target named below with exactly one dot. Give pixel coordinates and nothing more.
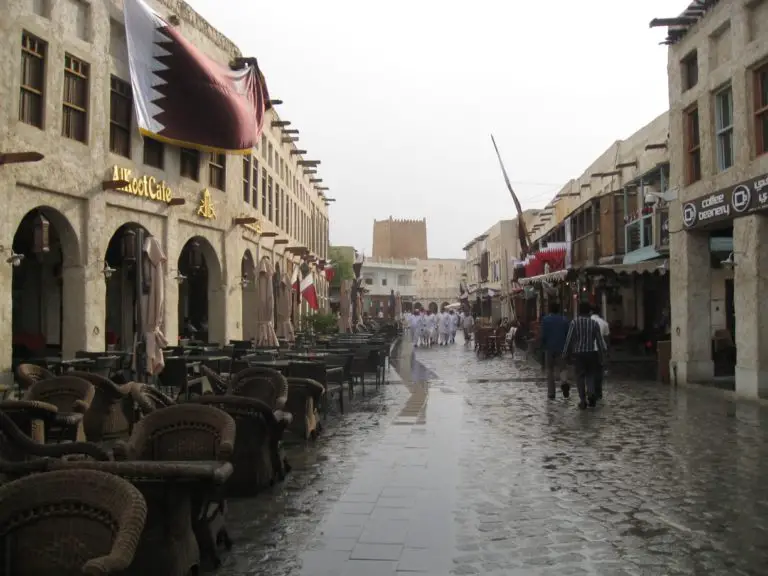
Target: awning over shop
(551, 277)
(641, 255)
(646, 267)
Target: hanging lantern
(129, 245)
(195, 256)
(42, 235)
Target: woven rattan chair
(32, 418)
(72, 396)
(112, 413)
(69, 523)
(303, 400)
(28, 374)
(186, 433)
(279, 383)
(257, 456)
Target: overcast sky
(398, 99)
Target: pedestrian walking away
(583, 335)
(605, 332)
(554, 331)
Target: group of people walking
(428, 329)
(583, 341)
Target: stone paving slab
(477, 472)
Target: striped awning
(551, 277)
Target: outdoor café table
(60, 366)
(175, 492)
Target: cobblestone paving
(475, 472)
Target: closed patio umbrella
(345, 307)
(284, 326)
(153, 304)
(398, 306)
(265, 307)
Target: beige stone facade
(395, 238)
(66, 186)
(718, 64)
(437, 280)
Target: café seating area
(103, 474)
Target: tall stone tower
(394, 238)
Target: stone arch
(444, 304)
(433, 307)
(250, 294)
(47, 283)
(202, 297)
(120, 283)
(417, 306)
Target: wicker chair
(218, 383)
(28, 374)
(279, 383)
(187, 433)
(70, 522)
(257, 457)
(72, 396)
(306, 395)
(32, 418)
(112, 413)
(20, 454)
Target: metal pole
(141, 357)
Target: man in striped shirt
(583, 335)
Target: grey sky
(398, 99)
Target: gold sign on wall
(206, 209)
(146, 186)
(256, 228)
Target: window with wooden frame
(269, 154)
(264, 192)
(190, 164)
(154, 152)
(288, 215)
(263, 147)
(270, 200)
(246, 179)
(217, 171)
(32, 99)
(120, 112)
(277, 206)
(692, 146)
(255, 184)
(724, 128)
(761, 109)
(74, 122)
(690, 71)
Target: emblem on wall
(689, 215)
(206, 209)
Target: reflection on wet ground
(463, 466)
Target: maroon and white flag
(185, 98)
(307, 287)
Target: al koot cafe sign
(742, 199)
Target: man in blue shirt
(554, 331)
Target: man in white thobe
(454, 326)
(605, 332)
(444, 328)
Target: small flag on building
(296, 280)
(307, 286)
(184, 98)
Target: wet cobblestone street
(463, 466)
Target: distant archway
(44, 246)
(433, 307)
(250, 294)
(119, 269)
(418, 307)
(201, 297)
(444, 305)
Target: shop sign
(206, 209)
(744, 198)
(146, 186)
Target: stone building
(403, 239)
(718, 92)
(487, 262)
(65, 93)
(383, 275)
(437, 281)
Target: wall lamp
(107, 270)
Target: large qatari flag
(185, 98)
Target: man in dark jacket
(554, 330)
